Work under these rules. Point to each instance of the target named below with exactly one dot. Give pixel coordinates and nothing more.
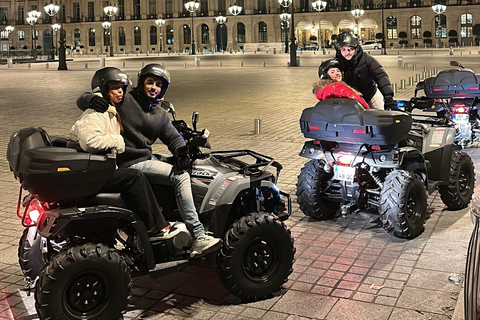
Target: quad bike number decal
(437, 138)
(213, 201)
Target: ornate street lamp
(235, 10)
(56, 27)
(32, 20)
(221, 20)
(285, 25)
(439, 9)
(51, 9)
(106, 25)
(160, 23)
(358, 13)
(8, 30)
(293, 49)
(319, 5)
(192, 6)
(110, 11)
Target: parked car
(371, 44)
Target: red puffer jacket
(339, 90)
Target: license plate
(344, 173)
(460, 117)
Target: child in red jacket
(331, 85)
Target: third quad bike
(81, 248)
(386, 160)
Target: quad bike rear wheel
(312, 181)
(89, 281)
(30, 255)
(403, 204)
(256, 257)
(461, 182)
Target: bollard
(451, 51)
(197, 61)
(47, 66)
(241, 63)
(400, 61)
(410, 81)
(263, 64)
(432, 53)
(9, 63)
(470, 53)
(86, 65)
(417, 78)
(423, 75)
(288, 64)
(414, 67)
(257, 126)
(415, 53)
(461, 53)
(220, 63)
(123, 64)
(402, 84)
(425, 68)
(394, 87)
(102, 62)
(143, 64)
(29, 65)
(185, 65)
(405, 65)
(435, 71)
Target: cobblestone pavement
(337, 261)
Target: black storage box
(55, 173)
(458, 83)
(346, 120)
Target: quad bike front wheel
(89, 281)
(256, 257)
(403, 204)
(312, 181)
(461, 182)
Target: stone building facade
(257, 27)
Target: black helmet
(157, 70)
(347, 38)
(326, 65)
(103, 77)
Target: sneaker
(168, 232)
(204, 244)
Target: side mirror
(195, 117)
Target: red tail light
(473, 88)
(437, 89)
(460, 109)
(314, 128)
(32, 213)
(345, 160)
(359, 131)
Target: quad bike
(385, 160)
(457, 97)
(81, 248)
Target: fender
(411, 159)
(93, 222)
(312, 150)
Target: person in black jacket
(364, 72)
(144, 121)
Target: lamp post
(110, 11)
(51, 9)
(439, 9)
(221, 20)
(160, 23)
(319, 6)
(32, 20)
(384, 42)
(8, 29)
(235, 11)
(293, 49)
(285, 17)
(56, 27)
(192, 6)
(106, 25)
(358, 13)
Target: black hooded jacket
(365, 73)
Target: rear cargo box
(454, 83)
(55, 173)
(345, 120)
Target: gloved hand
(390, 104)
(98, 104)
(182, 159)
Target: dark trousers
(137, 193)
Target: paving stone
(425, 300)
(343, 311)
(300, 303)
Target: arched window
(121, 36)
(91, 37)
(415, 27)
(466, 24)
(187, 34)
(240, 32)
(153, 35)
(169, 34)
(205, 34)
(76, 33)
(21, 35)
(392, 32)
(262, 6)
(137, 36)
(262, 32)
(284, 30)
(440, 29)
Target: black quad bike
(385, 160)
(456, 93)
(80, 249)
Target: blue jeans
(164, 174)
